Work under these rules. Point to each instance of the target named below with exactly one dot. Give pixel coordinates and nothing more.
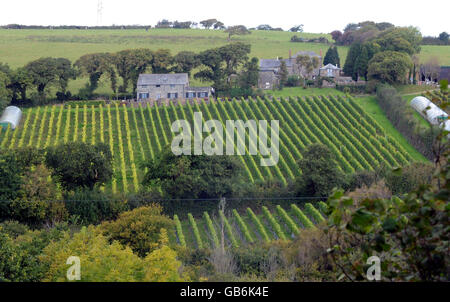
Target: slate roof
(164, 79)
(271, 64)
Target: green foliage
(109, 262)
(199, 176)
(288, 220)
(92, 206)
(81, 165)
(312, 212)
(139, 228)
(211, 230)
(179, 230)
(332, 56)
(410, 235)
(243, 227)
(319, 172)
(302, 217)
(20, 250)
(198, 239)
(228, 230)
(273, 223)
(389, 67)
(261, 230)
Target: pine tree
(332, 56)
(283, 74)
(337, 60)
(362, 63)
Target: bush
(13, 228)
(19, 256)
(107, 262)
(88, 206)
(140, 228)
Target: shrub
(107, 262)
(139, 228)
(93, 206)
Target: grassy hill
(18, 47)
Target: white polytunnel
(433, 114)
(11, 116)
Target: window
(190, 95)
(202, 94)
(158, 86)
(144, 95)
(172, 95)
(172, 86)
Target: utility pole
(99, 12)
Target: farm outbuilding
(433, 114)
(11, 116)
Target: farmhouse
(330, 71)
(169, 86)
(269, 69)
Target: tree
(401, 39)
(219, 25)
(207, 24)
(4, 92)
(443, 36)
(43, 72)
(10, 177)
(198, 176)
(336, 35)
(130, 64)
(390, 67)
(80, 165)
(409, 235)
(234, 55)
(94, 66)
(185, 24)
(250, 75)
(283, 74)
(362, 63)
(20, 80)
(164, 24)
(432, 68)
(264, 27)
(103, 261)
(352, 56)
(297, 28)
(237, 30)
(185, 62)
(139, 229)
(162, 61)
(332, 56)
(307, 64)
(320, 173)
(221, 63)
(214, 71)
(64, 73)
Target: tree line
(228, 68)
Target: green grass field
(370, 105)
(18, 47)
